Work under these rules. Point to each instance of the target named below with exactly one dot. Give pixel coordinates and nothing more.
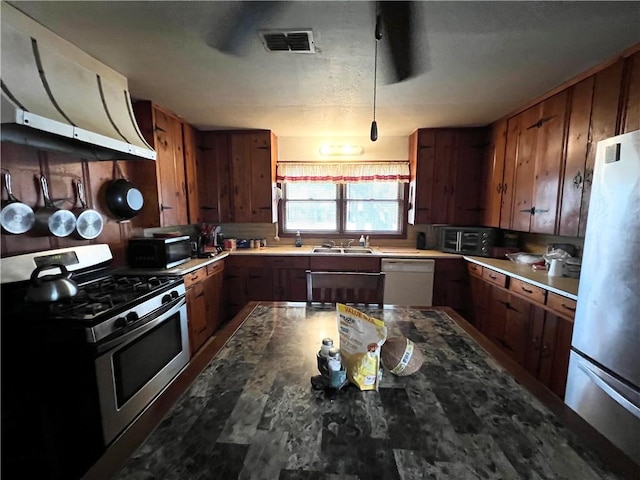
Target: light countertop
(565, 286)
(381, 251)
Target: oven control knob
(170, 296)
(127, 320)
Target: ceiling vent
(294, 41)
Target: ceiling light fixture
(374, 125)
(341, 150)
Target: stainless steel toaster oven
(477, 241)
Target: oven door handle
(147, 322)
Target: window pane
(378, 216)
(311, 216)
(308, 191)
(372, 207)
(373, 190)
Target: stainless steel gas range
(76, 372)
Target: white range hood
(52, 102)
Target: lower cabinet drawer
(536, 294)
(494, 277)
(562, 305)
(474, 269)
(215, 268)
(194, 277)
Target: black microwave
(476, 241)
(150, 252)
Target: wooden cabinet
(337, 263)
(214, 178)
(163, 131)
(594, 116)
(533, 326)
(246, 278)
(268, 278)
(289, 277)
(630, 115)
(236, 177)
(204, 288)
(539, 159)
(495, 185)
(190, 138)
(253, 174)
(445, 168)
(550, 152)
(451, 285)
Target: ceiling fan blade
(397, 19)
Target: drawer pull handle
(527, 290)
(572, 309)
(493, 277)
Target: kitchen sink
(357, 250)
(342, 250)
(327, 250)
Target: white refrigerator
(603, 384)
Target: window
(349, 208)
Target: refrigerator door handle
(609, 390)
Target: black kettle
(51, 288)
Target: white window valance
(288, 172)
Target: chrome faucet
(349, 242)
(329, 244)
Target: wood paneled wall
(26, 164)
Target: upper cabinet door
(604, 124)
(509, 177)
(421, 165)
(191, 141)
(535, 152)
(165, 190)
(525, 169)
(631, 95)
(493, 175)
(445, 149)
(253, 176)
(467, 187)
(576, 158)
(548, 164)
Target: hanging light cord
(374, 125)
(375, 76)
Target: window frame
(341, 213)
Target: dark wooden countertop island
(252, 412)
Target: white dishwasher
(408, 281)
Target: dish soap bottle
(361, 241)
(298, 239)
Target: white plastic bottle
(361, 241)
(327, 345)
(334, 360)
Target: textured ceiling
(478, 60)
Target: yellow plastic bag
(361, 337)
